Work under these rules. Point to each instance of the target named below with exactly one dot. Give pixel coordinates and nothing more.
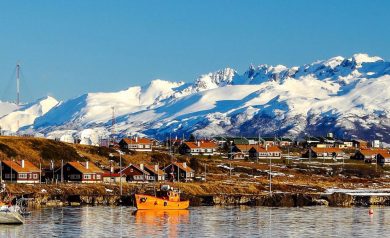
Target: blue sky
(67, 48)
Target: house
(383, 158)
(137, 173)
(348, 143)
(327, 140)
(324, 153)
(83, 172)
(198, 148)
(240, 151)
(110, 177)
(179, 172)
(284, 142)
(155, 171)
(268, 152)
(369, 155)
(19, 171)
(136, 144)
(253, 140)
(360, 144)
(312, 141)
(269, 141)
(376, 144)
(238, 141)
(220, 141)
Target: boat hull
(146, 202)
(11, 218)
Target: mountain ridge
(347, 96)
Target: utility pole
(62, 171)
(40, 172)
(111, 171)
(17, 84)
(178, 172)
(270, 170)
(205, 173)
(11, 169)
(1, 172)
(120, 170)
(52, 168)
(258, 148)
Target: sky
(67, 48)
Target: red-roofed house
(180, 171)
(369, 155)
(383, 158)
(136, 144)
(19, 171)
(84, 172)
(137, 173)
(325, 153)
(110, 177)
(259, 152)
(198, 148)
(155, 171)
(239, 151)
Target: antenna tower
(17, 84)
(113, 121)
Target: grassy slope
(247, 177)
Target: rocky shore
(105, 194)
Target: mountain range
(347, 96)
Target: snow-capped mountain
(346, 96)
(15, 117)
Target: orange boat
(168, 201)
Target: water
(101, 221)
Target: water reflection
(103, 221)
(159, 222)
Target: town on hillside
(252, 149)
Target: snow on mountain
(347, 96)
(25, 115)
(7, 107)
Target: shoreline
(48, 195)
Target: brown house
(198, 148)
(155, 171)
(240, 151)
(360, 144)
(383, 158)
(369, 155)
(84, 172)
(137, 173)
(19, 171)
(324, 153)
(136, 144)
(259, 152)
(179, 171)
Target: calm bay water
(101, 221)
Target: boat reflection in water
(158, 222)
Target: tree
(192, 138)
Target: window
(87, 176)
(74, 176)
(35, 176)
(98, 176)
(22, 176)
